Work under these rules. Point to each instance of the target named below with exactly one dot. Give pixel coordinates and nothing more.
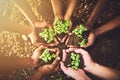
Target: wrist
(92, 67)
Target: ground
(105, 50)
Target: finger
(63, 67)
(58, 52)
(82, 51)
(56, 62)
(88, 44)
(64, 55)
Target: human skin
(78, 74)
(8, 64)
(95, 68)
(46, 69)
(103, 29)
(97, 11)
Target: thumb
(63, 67)
(56, 61)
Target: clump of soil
(49, 61)
(74, 40)
(69, 60)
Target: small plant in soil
(79, 33)
(75, 60)
(47, 34)
(59, 79)
(47, 56)
(62, 26)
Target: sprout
(46, 56)
(75, 60)
(48, 34)
(59, 79)
(61, 26)
(79, 31)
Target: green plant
(61, 26)
(47, 56)
(59, 79)
(47, 34)
(75, 60)
(79, 32)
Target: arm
(104, 72)
(23, 6)
(57, 8)
(105, 28)
(109, 26)
(96, 69)
(70, 9)
(10, 64)
(11, 26)
(97, 11)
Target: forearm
(70, 9)
(109, 26)
(97, 11)
(57, 8)
(11, 26)
(38, 75)
(104, 72)
(10, 64)
(23, 6)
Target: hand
(88, 62)
(78, 74)
(34, 35)
(46, 69)
(91, 39)
(37, 53)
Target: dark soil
(69, 60)
(74, 39)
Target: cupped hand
(91, 39)
(88, 62)
(78, 74)
(34, 35)
(38, 52)
(46, 69)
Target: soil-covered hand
(88, 62)
(91, 39)
(78, 74)
(46, 69)
(34, 35)
(38, 52)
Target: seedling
(47, 34)
(62, 26)
(79, 32)
(59, 79)
(75, 60)
(47, 56)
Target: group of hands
(34, 35)
(58, 64)
(79, 73)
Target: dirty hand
(34, 35)
(91, 38)
(78, 74)
(88, 62)
(46, 69)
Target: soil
(74, 39)
(105, 50)
(41, 62)
(69, 60)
